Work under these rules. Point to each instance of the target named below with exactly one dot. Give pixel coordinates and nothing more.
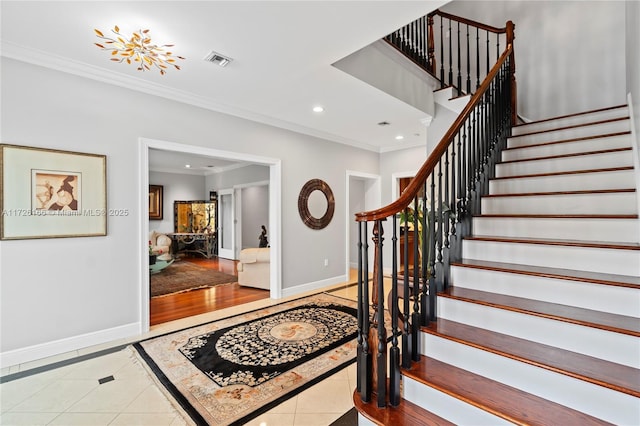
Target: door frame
(275, 215)
(372, 201)
(227, 253)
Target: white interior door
(226, 224)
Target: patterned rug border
(182, 400)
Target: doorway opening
(362, 194)
(274, 214)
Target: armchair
(160, 244)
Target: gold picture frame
(49, 193)
(155, 202)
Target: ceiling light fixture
(217, 58)
(188, 166)
(318, 108)
(137, 49)
(399, 137)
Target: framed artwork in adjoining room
(155, 202)
(50, 193)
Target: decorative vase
(152, 259)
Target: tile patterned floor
(115, 388)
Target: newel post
(431, 57)
(378, 332)
(512, 71)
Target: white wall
(175, 187)
(255, 213)
(632, 44)
(570, 55)
(97, 298)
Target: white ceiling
(282, 54)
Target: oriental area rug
(230, 371)
(185, 276)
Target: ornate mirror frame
(303, 204)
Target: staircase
(541, 321)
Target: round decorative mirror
(316, 204)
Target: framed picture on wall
(48, 193)
(155, 202)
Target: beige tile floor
(72, 395)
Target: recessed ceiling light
(188, 166)
(399, 137)
(218, 58)
(318, 108)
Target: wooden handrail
(468, 22)
(411, 191)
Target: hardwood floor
(181, 305)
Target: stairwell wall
(569, 55)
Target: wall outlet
(326, 262)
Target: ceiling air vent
(217, 58)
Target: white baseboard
(66, 348)
(316, 285)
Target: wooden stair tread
(570, 172)
(406, 413)
(560, 216)
(558, 242)
(573, 154)
(497, 398)
(582, 192)
(611, 375)
(571, 126)
(577, 114)
(578, 139)
(585, 317)
(558, 273)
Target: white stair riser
(614, 347)
(575, 147)
(598, 203)
(620, 179)
(573, 120)
(571, 133)
(610, 230)
(448, 407)
(595, 400)
(566, 164)
(599, 297)
(603, 260)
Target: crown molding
(59, 63)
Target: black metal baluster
(446, 228)
(459, 75)
(432, 251)
(424, 260)
(365, 364)
(468, 63)
(441, 53)
(450, 82)
(439, 230)
(406, 310)
(488, 66)
(415, 317)
(381, 355)
(394, 352)
(477, 58)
